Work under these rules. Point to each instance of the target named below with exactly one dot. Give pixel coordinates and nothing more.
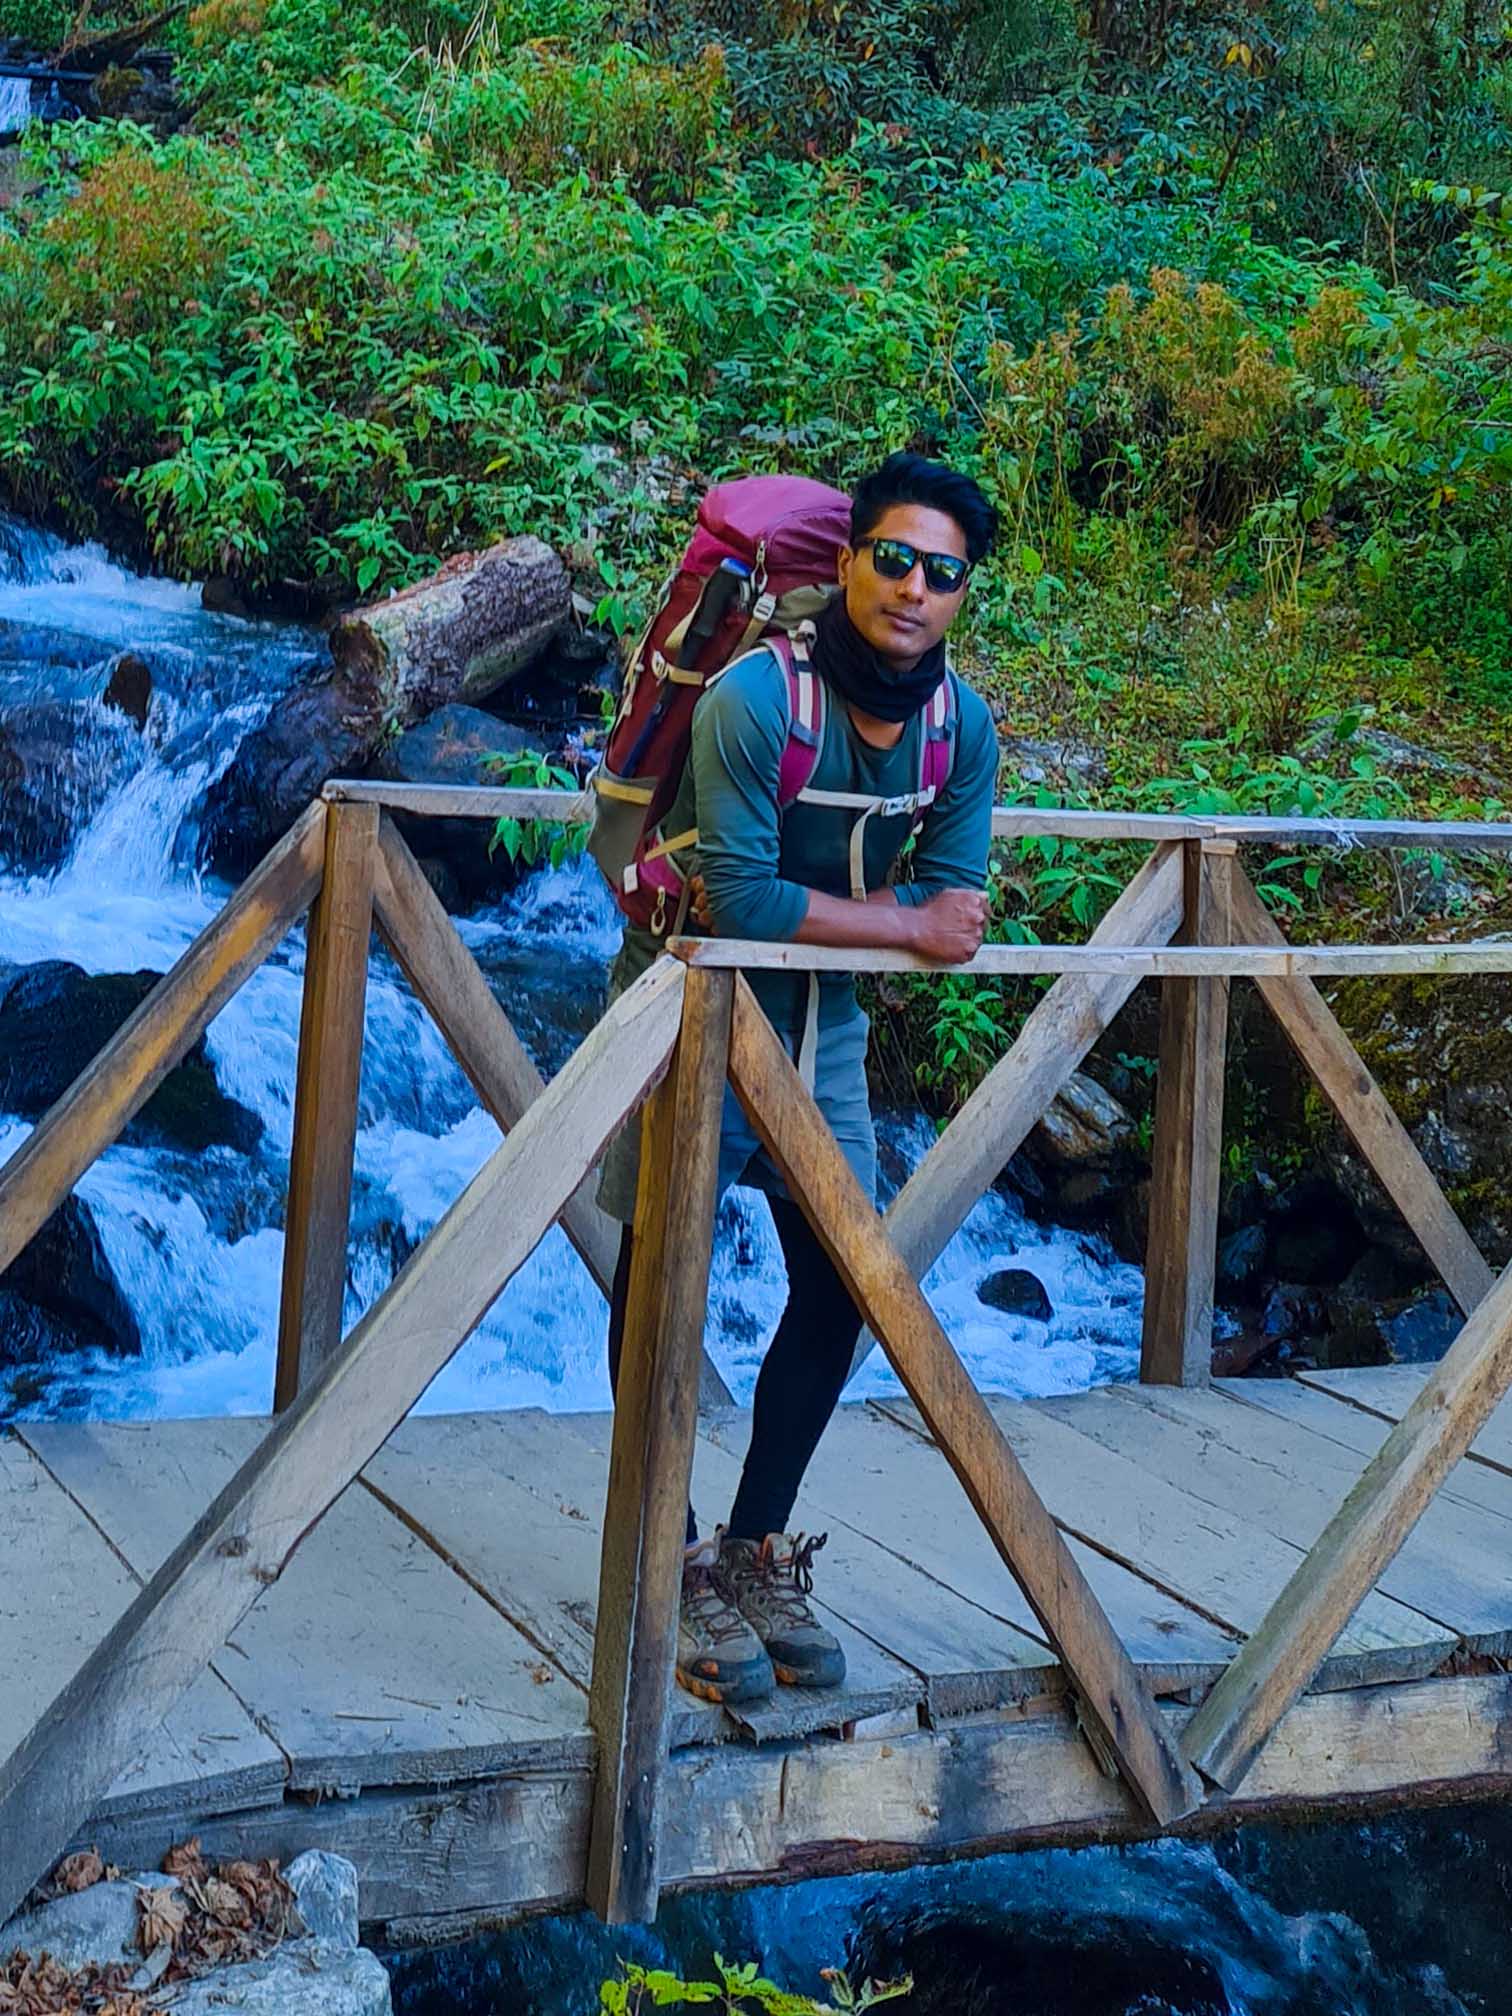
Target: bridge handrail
(1009, 822)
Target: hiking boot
(719, 1656)
(769, 1582)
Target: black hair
(912, 479)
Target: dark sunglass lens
(892, 559)
(944, 573)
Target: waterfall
(15, 104)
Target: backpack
(760, 567)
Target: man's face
(901, 620)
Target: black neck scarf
(859, 675)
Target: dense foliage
(1216, 297)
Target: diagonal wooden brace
(984, 1136)
(1349, 1557)
(1366, 1116)
(1113, 1698)
(447, 978)
(50, 1783)
(159, 1033)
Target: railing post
(651, 1460)
(325, 1102)
(1187, 1162)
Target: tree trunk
(459, 635)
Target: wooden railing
(674, 1040)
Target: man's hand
(949, 927)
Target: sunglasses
(895, 560)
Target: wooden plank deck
(425, 1657)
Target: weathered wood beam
(1230, 1729)
(1364, 1112)
(1131, 962)
(1009, 822)
(651, 1458)
(325, 1102)
(444, 974)
(466, 801)
(158, 1034)
(984, 1136)
(518, 1843)
(1117, 1709)
(1187, 1162)
(240, 1545)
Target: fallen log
(114, 45)
(461, 634)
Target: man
(804, 876)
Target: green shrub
(739, 1991)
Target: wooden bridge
(443, 1646)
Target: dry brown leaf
(163, 1917)
(218, 1899)
(185, 1859)
(78, 1872)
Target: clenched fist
(950, 926)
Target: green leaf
(367, 572)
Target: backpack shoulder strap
(938, 747)
(800, 754)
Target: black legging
(801, 1377)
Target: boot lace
(787, 1580)
(708, 1609)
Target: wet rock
(61, 1293)
(220, 596)
(564, 686)
(454, 746)
(129, 688)
(1442, 1053)
(1242, 1257)
(1016, 1292)
(325, 1889)
(1082, 1124)
(55, 1019)
(325, 726)
(1315, 1237)
(1424, 1330)
(1083, 1148)
(325, 1973)
(58, 759)
(1291, 1311)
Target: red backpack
(760, 567)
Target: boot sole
(732, 1693)
(832, 1675)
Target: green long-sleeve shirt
(759, 863)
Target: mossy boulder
(1441, 1051)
